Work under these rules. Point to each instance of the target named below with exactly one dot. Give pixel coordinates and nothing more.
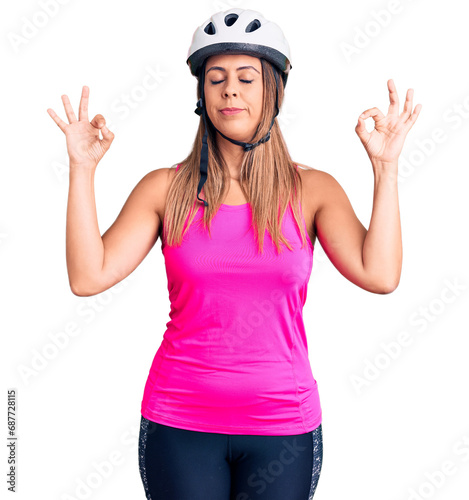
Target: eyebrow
(238, 69)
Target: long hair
(268, 178)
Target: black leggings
(178, 464)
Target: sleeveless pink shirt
(234, 356)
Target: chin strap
(203, 156)
(200, 110)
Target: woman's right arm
(94, 262)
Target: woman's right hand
(84, 146)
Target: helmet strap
(204, 152)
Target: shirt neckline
(231, 208)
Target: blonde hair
(268, 178)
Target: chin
(237, 133)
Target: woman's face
(234, 81)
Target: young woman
(231, 409)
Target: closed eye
(216, 83)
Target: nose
(230, 88)
(229, 92)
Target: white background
(82, 406)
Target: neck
(232, 154)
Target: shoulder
(312, 172)
(155, 186)
(159, 179)
(160, 174)
(317, 182)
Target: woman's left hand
(384, 143)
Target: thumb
(108, 137)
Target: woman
(231, 409)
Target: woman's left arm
(382, 247)
(371, 259)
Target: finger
(393, 98)
(413, 117)
(374, 113)
(68, 109)
(98, 121)
(83, 110)
(108, 137)
(61, 124)
(361, 131)
(408, 105)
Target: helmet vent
(253, 26)
(210, 29)
(230, 19)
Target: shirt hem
(222, 429)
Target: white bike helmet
(239, 31)
(236, 31)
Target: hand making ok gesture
(384, 143)
(84, 146)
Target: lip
(231, 111)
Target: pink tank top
(234, 356)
